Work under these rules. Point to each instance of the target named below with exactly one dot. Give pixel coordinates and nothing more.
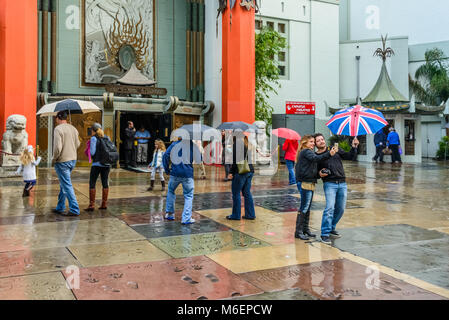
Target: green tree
(269, 43)
(432, 79)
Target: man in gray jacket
(65, 145)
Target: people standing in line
(335, 187)
(181, 172)
(130, 133)
(227, 152)
(242, 171)
(291, 149)
(306, 178)
(394, 144)
(156, 164)
(98, 169)
(65, 145)
(28, 166)
(380, 141)
(143, 137)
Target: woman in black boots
(306, 179)
(98, 169)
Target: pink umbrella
(286, 133)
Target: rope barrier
(9, 154)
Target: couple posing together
(325, 163)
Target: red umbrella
(286, 133)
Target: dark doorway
(159, 125)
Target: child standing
(28, 166)
(156, 164)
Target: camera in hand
(326, 171)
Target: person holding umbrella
(335, 188)
(242, 171)
(291, 149)
(65, 145)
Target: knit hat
(30, 149)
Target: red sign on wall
(293, 107)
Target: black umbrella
(237, 125)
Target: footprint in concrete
(212, 278)
(189, 280)
(202, 298)
(391, 285)
(196, 267)
(178, 269)
(235, 294)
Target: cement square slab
(153, 218)
(62, 234)
(169, 229)
(46, 286)
(197, 278)
(338, 280)
(383, 235)
(17, 263)
(206, 243)
(253, 259)
(292, 294)
(117, 253)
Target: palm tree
(432, 79)
(384, 52)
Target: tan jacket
(65, 143)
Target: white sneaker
(170, 217)
(191, 221)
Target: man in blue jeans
(181, 155)
(335, 187)
(65, 145)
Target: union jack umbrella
(356, 121)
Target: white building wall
(213, 60)
(324, 59)
(370, 67)
(313, 54)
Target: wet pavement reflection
(394, 245)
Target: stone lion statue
(15, 139)
(261, 136)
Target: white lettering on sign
(73, 20)
(372, 22)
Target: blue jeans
(306, 199)
(64, 170)
(242, 183)
(291, 172)
(336, 195)
(188, 186)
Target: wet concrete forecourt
(395, 227)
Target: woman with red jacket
(291, 148)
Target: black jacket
(234, 168)
(129, 138)
(335, 165)
(307, 165)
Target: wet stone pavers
(417, 251)
(336, 280)
(131, 252)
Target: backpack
(108, 154)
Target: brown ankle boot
(104, 199)
(91, 201)
(163, 185)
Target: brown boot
(163, 185)
(91, 201)
(151, 186)
(104, 199)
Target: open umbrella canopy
(356, 121)
(286, 133)
(197, 132)
(69, 105)
(237, 125)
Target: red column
(18, 62)
(239, 68)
